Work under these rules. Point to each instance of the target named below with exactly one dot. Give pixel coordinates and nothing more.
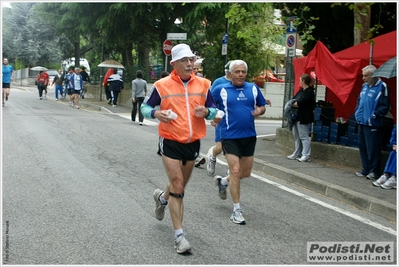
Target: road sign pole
(166, 63)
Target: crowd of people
(73, 83)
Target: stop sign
(167, 47)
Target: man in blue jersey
(8, 76)
(372, 105)
(241, 102)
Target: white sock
(178, 232)
(224, 181)
(236, 206)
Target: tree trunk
(77, 51)
(143, 52)
(362, 14)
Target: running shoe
(182, 245)
(210, 167)
(222, 188)
(199, 161)
(237, 217)
(383, 178)
(391, 183)
(159, 208)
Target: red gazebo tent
(341, 72)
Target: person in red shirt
(42, 82)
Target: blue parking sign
(225, 38)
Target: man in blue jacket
(372, 105)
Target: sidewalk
(337, 182)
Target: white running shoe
(182, 245)
(237, 217)
(391, 183)
(293, 156)
(159, 208)
(304, 159)
(210, 167)
(383, 178)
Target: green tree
(250, 27)
(27, 37)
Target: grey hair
(370, 68)
(237, 62)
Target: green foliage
(250, 27)
(27, 37)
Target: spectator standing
(58, 81)
(115, 86)
(42, 82)
(8, 76)
(109, 72)
(180, 135)
(76, 84)
(305, 103)
(371, 107)
(139, 91)
(86, 81)
(388, 178)
(242, 102)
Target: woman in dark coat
(305, 103)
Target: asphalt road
(78, 184)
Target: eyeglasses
(185, 59)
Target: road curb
(363, 202)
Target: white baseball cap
(181, 51)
